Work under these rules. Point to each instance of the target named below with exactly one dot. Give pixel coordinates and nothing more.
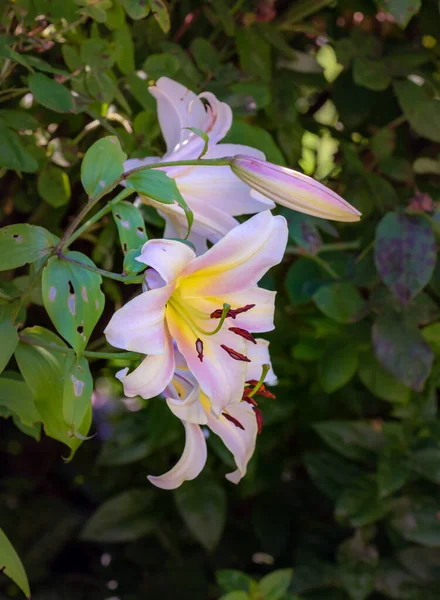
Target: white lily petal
(167, 257)
(184, 398)
(174, 228)
(241, 442)
(190, 464)
(259, 356)
(139, 325)
(153, 374)
(240, 259)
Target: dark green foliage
(344, 484)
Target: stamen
(234, 354)
(245, 334)
(262, 391)
(259, 418)
(233, 312)
(199, 348)
(233, 420)
(264, 372)
(249, 400)
(217, 314)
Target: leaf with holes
(43, 372)
(130, 224)
(72, 297)
(401, 350)
(8, 334)
(161, 14)
(102, 164)
(158, 186)
(78, 388)
(11, 565)
(405, 252)
(22, 244)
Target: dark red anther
(199, 348)
(234, 354)
(259, 418)
(232, 312)
(242, 309)
(249, 400)
(217, 314)
(243, 333)
(233, 420)
(262, 390)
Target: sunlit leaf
(102, 164)
(21, 244)
(11, 565)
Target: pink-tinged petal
(139, 325)
(259, 355)
(219, 118)
(221, 377)
(241, 442)
(293, 189)
(176, 227)
(153, 280)
(183, 398)
(177, 108)
(167, 257)
(152, 376)
(239, 260)
(190, 464)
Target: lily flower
(237, 425)
(209, 305)
(214, 194)
(293, 189)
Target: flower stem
(339, 246)
(65, 240)
(123, 278)
(86, 353)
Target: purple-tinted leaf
(303, 231)
(401, 349)
(405, 254)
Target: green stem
(364, 252)
(123, 278)
(264, 372)
(98, 216)
(325, 248)
(324, 265)
(94, 200)
(86, 353)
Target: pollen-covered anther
(259, 418)
(243, 333)
(234, 354)
(199, 348)
(233, 420)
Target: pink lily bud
(293, 189)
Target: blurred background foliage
(343, 487)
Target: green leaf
(161, 14)
(421, 110)
(124, 49)
(353, 439)
(205, 138)
(50, 93)
(77, 393)
(101, 86)
(22, 244)
(230, 580)
(257, 137)
(16, 397)
(139, 89)
(303, 231)
(124, 518)
(275, 585)
(360, 502)
(330, 473)
(358, 580)
(380, 382)
(303, 279)
(205, 54)
(102, 164)
(405, 254)
(393, 471)
(158, 186)
(17, 119)
(416, 520)
(54, 186)
(72, 297)
(131, 265)
(130, 224)
(13, 154)
(402, 10)
(97, 54)
(341, 301)
(161, 65)
(337, 366)
(235, 596)
(427, 463)
(136, 9)
(371, 74)
(202, 505)
(254, 54)
(383, 143)
(8, 334)
(43, 372)
(11, 565)
(401, 350)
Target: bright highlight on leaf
(11, 565)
